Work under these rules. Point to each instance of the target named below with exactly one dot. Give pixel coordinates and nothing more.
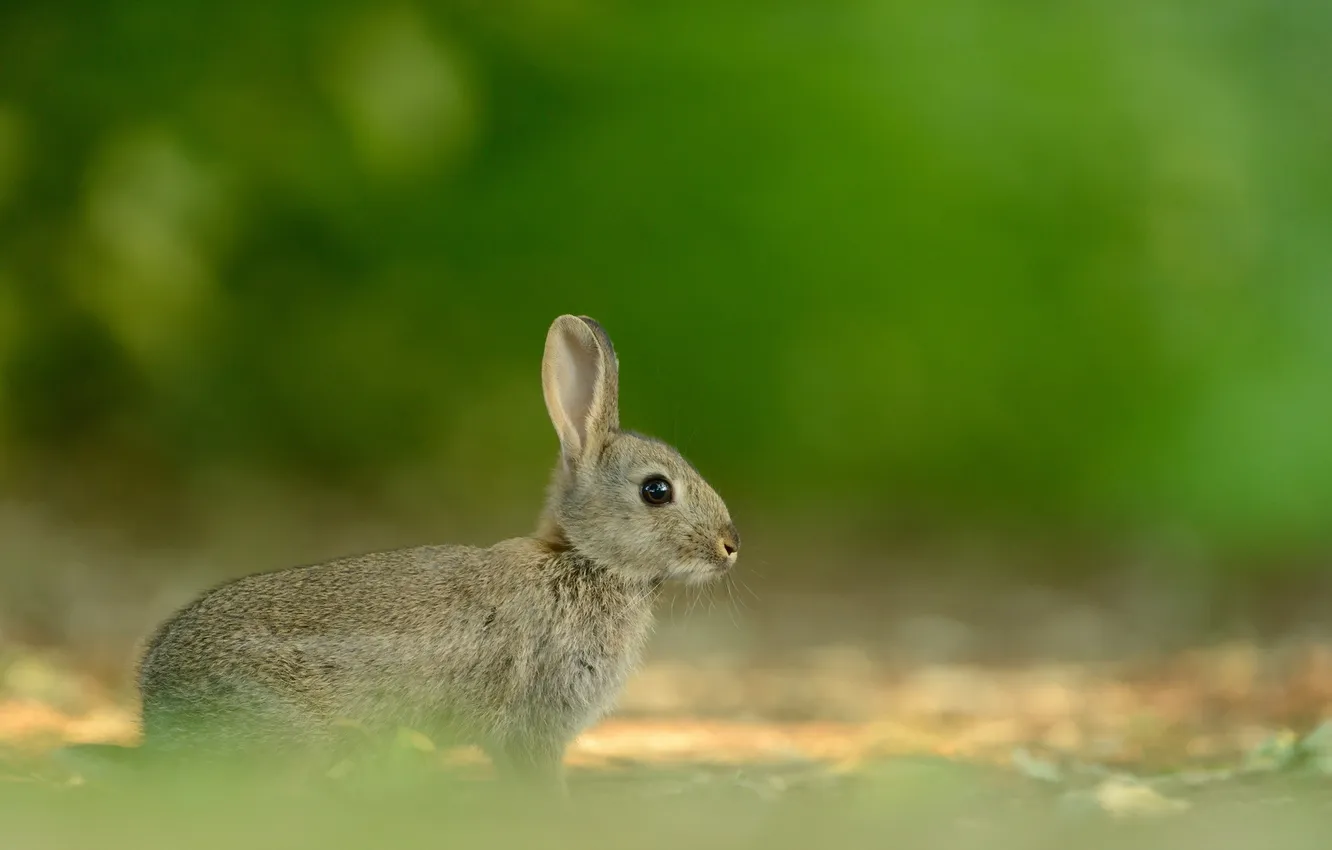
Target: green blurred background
(1048, 274)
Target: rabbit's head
(627, 502)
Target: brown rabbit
(516, 648)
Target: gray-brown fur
(517, 647)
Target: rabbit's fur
(516, 647)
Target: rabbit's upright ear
(580, 378)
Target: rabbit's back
(476, 644)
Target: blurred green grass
(927, 803)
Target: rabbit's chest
(581, 673)
(591, 674)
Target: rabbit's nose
(730, 542)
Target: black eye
(656, 491)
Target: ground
(1222, 747)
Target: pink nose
(730, 541)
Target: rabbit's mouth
(701, 570)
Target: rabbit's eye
(656, 491)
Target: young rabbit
(516, 648)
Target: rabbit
(515, 648)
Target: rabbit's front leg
(533, 764)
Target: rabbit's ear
(580, 378)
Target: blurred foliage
(927, 265)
